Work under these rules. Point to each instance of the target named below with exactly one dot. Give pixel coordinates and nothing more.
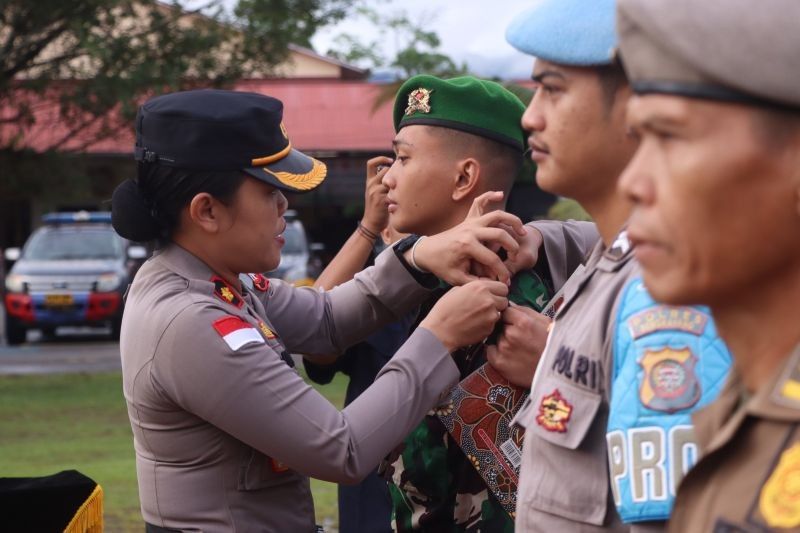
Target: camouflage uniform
(434, 486)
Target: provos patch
(237, 333)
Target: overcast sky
(469, 32)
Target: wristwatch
(426, 279)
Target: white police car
(72, 271)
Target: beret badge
(419, 101)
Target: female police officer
(225, 431)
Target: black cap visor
(296, 172)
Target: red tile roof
(319, 114)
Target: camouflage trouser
(435, 488)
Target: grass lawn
(61, 422)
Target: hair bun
(130, 214)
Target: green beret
(736, 50)
(480, 107)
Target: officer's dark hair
(611, 78)
(148, 208)
(499, 162)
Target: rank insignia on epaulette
(778, 502)
(260, 282)
(554, 412)
(225, 292)
(669, 383)
(419, 101)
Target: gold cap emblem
(419, 101)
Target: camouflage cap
(469, 104)
(734, 50)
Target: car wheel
(15, 333)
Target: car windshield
(53, 244)
(295, 241)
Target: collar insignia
(260, 282)
(225, 292)
(419, 101)
(778, 501)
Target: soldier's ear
(466, 180)
(204, 213)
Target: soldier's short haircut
(500, 163)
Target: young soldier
(456, 140)
(716, 184)
(617, 367)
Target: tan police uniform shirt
(225, 432)
(748, 476)
(564, 483)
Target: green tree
(93, 57)
(417, 48)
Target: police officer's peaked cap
(480, 107)
(224, 130)
(735, 50)
(578, 33)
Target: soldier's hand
(528, 252)
(467, 314)
(520, 345)
(376, 213)
(453, 254)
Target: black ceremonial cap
(224, 130)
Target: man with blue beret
(608, 431)
(457, 141)
(716, 220)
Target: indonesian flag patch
(237, 333)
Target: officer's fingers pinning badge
(419, 101)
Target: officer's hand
(376, 212)
(453, 254)
(520, 345)
(467, 314)
(528, 252)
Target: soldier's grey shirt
(564, 483)
(225, 433)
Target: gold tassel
(89, 518)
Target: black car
(72, 271)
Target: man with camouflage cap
(456, 140)
(608, 433)
(716, 186)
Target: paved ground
(72, 350)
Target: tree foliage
(95, 56)
(416, 48)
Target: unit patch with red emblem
(554, 412)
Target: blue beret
(578, 33)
